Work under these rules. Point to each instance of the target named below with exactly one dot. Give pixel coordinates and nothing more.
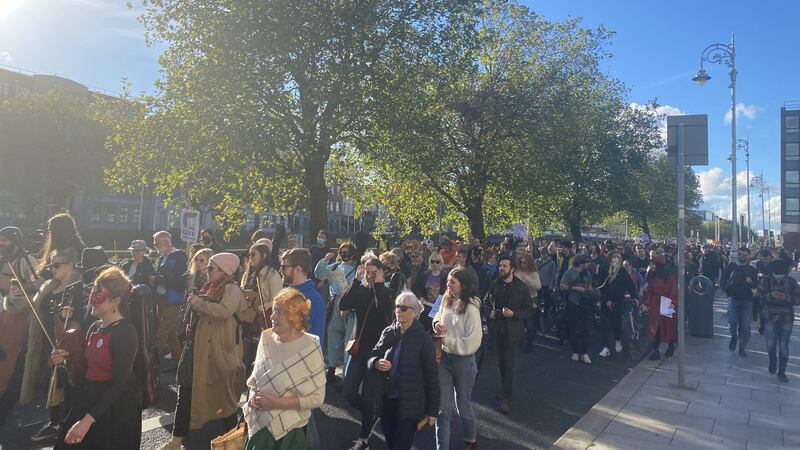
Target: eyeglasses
(436, 262)
(403, 308)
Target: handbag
(354, 345)
(234, 439)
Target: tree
(257, 95)
(51, 148)
(459, 125)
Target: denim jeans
(354, 376)
(610, 322)
(777, 335)
(578, 321)
(456, 379)
(506, 360)
(740, 313)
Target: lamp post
(745, 144)
(725, 54)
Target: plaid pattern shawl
(297, 376)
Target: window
(124, 215)
(97, 212)
(337, 207)
(793, 122)
(792, 206)
(135, 216)
(793, 151)
(111, 214)
(792, 179)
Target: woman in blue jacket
(404, 355)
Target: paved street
(732, 402)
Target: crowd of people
(277, 325)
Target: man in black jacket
(509, 305)
(740, 281)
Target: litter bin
(700, 307)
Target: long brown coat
(218, 372)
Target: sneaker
(48, 431)
(585, 359)
(732, 344)
(618, 346)
(605, 352)
(670, 350)
(358, 444)
(773, 365)
(655, 356)
(782, 376)
(576, 356)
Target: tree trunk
(575, 231)
(475, 218)
(645, 227)
(314, 181)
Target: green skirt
(263, 440)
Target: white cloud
(663, 111)
(715, 186)
(5, 58)
(744, 111)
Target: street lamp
(725, 54)
(745, 144)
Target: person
(616, 288)
(636, 277)
(295, 267)
(49, 304)
(280, 406)
(547, 274)
(740, 281)
(61, 234)
(458, 321)
(508, 304)
(198, 270)
(15, 314)
(107, 409)
(339, 275)
(210, 373)
(170, 282)
(320, 248)
(462, 260)
(660, 328)
(528, 272)
(780, 294)
(261, 283)
(139, 269)
(416, 269)
(208, 240)
(395, 278)
(429, 286)
(574, 284)
(410, 391)
(710, 263)
(488, 272)
(371, 301)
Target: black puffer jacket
(417, 381)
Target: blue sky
(656, 51)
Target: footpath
(730, 402)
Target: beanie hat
(265, 241)
(227, 262)
(13, 234)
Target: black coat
(417, 382)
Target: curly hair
(117, 284)
(295, 307)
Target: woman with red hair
(660, 328)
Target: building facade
(790, 175)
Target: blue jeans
(740, 313)
(777, 335)
(354, 376)
(456, 379)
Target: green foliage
(51, 148)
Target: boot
(505, 405)
(655, 356)
(732, 344)
(670, 350)
(773, 363)
(783, 361)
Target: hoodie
(318, 309)
(464, 331)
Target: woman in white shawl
(288, 379)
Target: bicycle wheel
(631, 336)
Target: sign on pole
(687, 145)
(190, 225)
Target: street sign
(696, 136)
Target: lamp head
(701, 77)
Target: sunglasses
(56, 265)
(403, 308)
(436, 262)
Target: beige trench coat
(218, 372)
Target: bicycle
(631, 330)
